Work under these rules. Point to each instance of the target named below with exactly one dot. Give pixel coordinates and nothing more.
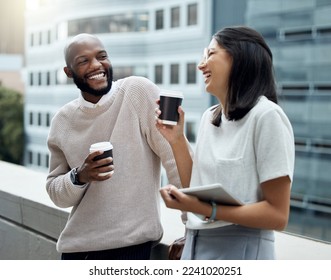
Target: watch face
(73, 176)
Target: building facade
(299, 34)
(162, 41)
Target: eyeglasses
(204, 57)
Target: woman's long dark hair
(252, 73)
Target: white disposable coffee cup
(170, 100)
(107, 149)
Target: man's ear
(68, 72)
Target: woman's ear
(68, 72)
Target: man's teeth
(97, 77)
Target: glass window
(159, 18)
(302, 58)
(39, 78)
(40, 38)
(48, 78)
(308, 108)
(298, 34)
(30, 157)
(190, 131)
(158, 74)
(39, 159)
(175, 17)
(141, 22)
(49, 38)
(121, 72)
(119, 23)
(31, 79)
(192, 14)
(31, 118)
(39, 119)
(174, 74)
(48, 120)
(47, 160)
(191, 73)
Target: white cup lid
(101, 146)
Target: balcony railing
(30, 223)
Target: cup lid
(171, 93)
(101, 146)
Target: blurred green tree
(11, 126)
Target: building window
(39, 159)
(304, 34)
(174, 74)
(40, 38)
(30, 157)
(192, 14)
(31, 118)
(190, 131)
(49, 37)
(158, 74)
(39, 119)
(31, 39)
(39, 79)
(47, 160)
(48, 78)
(31, 79)
(175, 17)
(121, 72)
(191, 73)
(48, 120)
(159, 19)
(126, 22)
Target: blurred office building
(299, 33)
(163, 41)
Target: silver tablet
(214, 192)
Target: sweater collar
(102, 100)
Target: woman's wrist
(180, 140)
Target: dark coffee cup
(169, 102)
(107, 149)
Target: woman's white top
(242, 154)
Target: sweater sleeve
(58, 184)
(144, 100)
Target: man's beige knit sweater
(123, 210)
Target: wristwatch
(74, 177)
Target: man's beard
(85, 87)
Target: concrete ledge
(30, 223)
(44, 219)
(18, 243)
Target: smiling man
(115, 216)
(77, 56)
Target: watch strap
(74, 177)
